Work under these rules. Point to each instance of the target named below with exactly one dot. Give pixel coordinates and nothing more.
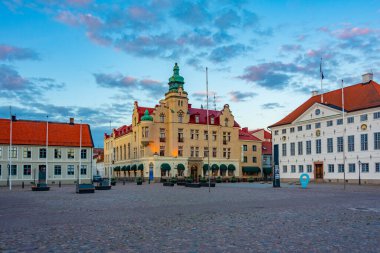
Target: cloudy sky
(91, 59)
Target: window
(205, 134)
(331, 168)
(340, 168)
(254, 148)
(299, 128)
(293, 169)
(214, 135)
(309, 168)
(12, 152)
(27, 153)
(226, 152)
(351, 167)
(245, 148)
(205, 152)
(14, 170)
(196, 134)
(192, 153)
(317, 125)
(57, 153)
(376, 115)
(244, 159)
(339, 121)
(83, 153)
(70, 169)
(162, 150)
(212, 120)
(162, 118)
(329, 123)
(180, 135)
(377, 167)
(376, 140)
(318, 146)
(196, 118)
(27, 170)
(308, 147)
(350, 120)
(226, 122)
(339, 144)
(191, 134)
(284, 131)
(365, 167)
(1, 152)
(363, 117)
(351, 143)
(70, 153)
(283, 149)
(292, 149)
(308, 126)
(214, 152)
(330, 144)
(180, 118)
(57, 170)
(276, 132)
(162, 134)
(254, 159)
(300, 148)
(284, 169)
(42, 152)
(292, 129)
(83, 170)
(300, 168)
(364, 142)
(180, 151)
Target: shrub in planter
(234, 180)
(173, 180)
(189, 180)
(203, 180)
(139, 181)
(250, 179)
(218, 180)
(113, 181)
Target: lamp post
(360, 163)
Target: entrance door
(41, 173)
(318, 168)
(194, 173)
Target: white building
(316, 138)
(31, 159)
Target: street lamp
(359, 171)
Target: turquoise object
(304, 180)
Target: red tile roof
(245, 135)
(25, 132)
(356, 97)
(267, 148)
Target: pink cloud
(68, 18)
(98, 39)
(72, 19)
(79, 2)
(349, 33)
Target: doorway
(41, 173)
(318, 172)
(194, 172)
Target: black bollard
(22, 185)
(123, 182)
(59, 184)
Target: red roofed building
(32, 155)
(174, 139)
(333, 136)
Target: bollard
(22, 185)
(59, 184)
(124, 182)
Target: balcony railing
(224, 142)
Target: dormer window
(196, 118)
(212, 120)
(226, 122)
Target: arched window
(129, 151)
(225, 122)
(162, 118)
(125, 152)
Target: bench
(85, 188)
(103, 185)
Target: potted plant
(218, 180)
(234, 179)
(139, 181)
(250, 179)
(113, 181)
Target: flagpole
(80, 150)
(10, 149)
(47, 146)
(208, 132)
(344, 132)
(321, 73)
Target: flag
(320, 70)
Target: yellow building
(174, 139)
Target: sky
(92, 59)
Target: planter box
(206, 184)
(85, 188)
(168, 184)
(182, 183)
(139, 182)
(193, 185)
(103, 187)
(40, 188)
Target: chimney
(244, 129)
(314, 93)
(367, 77)
(71, 121)
(14, 118)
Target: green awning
(223, 167)
(231, 167)
(251, 169)
(180, 167)
(140, 167)
(117, 168)
(128, 168)
(205, 166)
(165, 166)
(267, 171)
(214, 167)
(124, 168)
(134, 167)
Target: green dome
(176, 81)
(146, 116)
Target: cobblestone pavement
(231, 218)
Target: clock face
(317, 112)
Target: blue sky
(91, 59)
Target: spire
(175, 81)
(146, 116)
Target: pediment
(318, 111)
